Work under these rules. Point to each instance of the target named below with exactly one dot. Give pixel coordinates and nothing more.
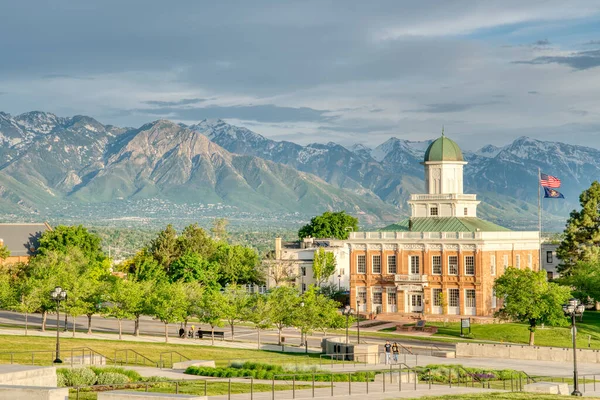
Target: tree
(327, 315)
(27, 298)
(280, 271)
(585, 279)
(165, 247)
(281, 303)
(144, 267)
(122, 298)
(219, 229)
(192, 267)
(258, 313)
(237, 264)
(324, 265)
(528, 297)
(211, 310)
(581, 238)
(4, 252)
(169, 304)
(196, 240)
(62, 238)
(140, 301)
(194, 292)
(236, 300)
(335, 225)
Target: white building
(550, 261)
(292, 263)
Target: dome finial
(442, 130)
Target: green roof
(443, 149)
(444, 224)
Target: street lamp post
(339, 282)
(358, 321)
(348, 311)
(303, 335)
(573, 309)
(58, 295)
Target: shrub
(133, 376)
(112, 378)
(60, 379)
(78, 376)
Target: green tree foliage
(122, 300)
(169, 304)
(324, 265)
(27, 298)
(4, 252)
(585, 279)
(192, 267)
(194, 239)
(281, 302)
(219, 229)
(335, 225)
(143, 267)
(62, 238)
(165, 247)
(257, 312)
(581, 238)
(236, 300)
(212, 310)
(237, 264)
(528, 297)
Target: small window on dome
(466, 211)
(433, 211)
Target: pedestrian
(388, 351)
(396, 351)
(191, 334)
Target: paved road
(151, 327)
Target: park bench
(208, 334)
(419, 326)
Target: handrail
(405, 348)
(143, 357)
(181, 356)
(92, 352)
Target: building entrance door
(416, 302)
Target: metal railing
(353, 359)
(89, 356)
(133, 357)
(162, 359)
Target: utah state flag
(552, 194)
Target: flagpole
(540, 217)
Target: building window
(505, 262)
(437, 300)
(529, 261)
(303, 271)
(342, 271)
(414, 265)
(550, 275)
(377, 300)
(470, 298)
(466, 211)
(433, 211)
(492, 265)
(549, 259)
(436, 265)
(391, 265)
(391, 297)
(453, 297)
(361, 264)
(303, 287)
(470, 265)
(452, 265)
(518, 261)
(376, 266)
(362, 294)
(494, 305)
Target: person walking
(388, 351)
(396, 351)
(192, 330)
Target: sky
(313, 71)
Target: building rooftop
(444, 224)
(443, 149)
(22, 239)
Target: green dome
(443, 149)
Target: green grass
(196, 388)
(500, 396)
(24, 345)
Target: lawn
(500, 396)
(23, 346)
(514, 333)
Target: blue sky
(313, 71)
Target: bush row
(441, 373)
(95, 376)
(277, 374)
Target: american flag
(549, 181)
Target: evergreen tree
(334, 225)
(581, 237)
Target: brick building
(441, 260)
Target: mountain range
(52, 162)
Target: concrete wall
(33, 393)
(27, 375)
(525, 352)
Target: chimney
(410, 224)
(277, 248)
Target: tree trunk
(89, 332)
(66, 321)
(185, 331)
(136, 329)
(279, 333)
(166, 332)
(258, 334)
(531, 337)
(212, 334)
(26, 314)
(44, 318)
(73, 326)
(120, 329)
(231, 330)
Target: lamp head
(302, 304)
(573, 302)
(580, 309)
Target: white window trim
(465, 264)
(358, 265)
(388, 264)
(441, 266)
(373, 264)
(457, 266)
(518, 261)
(410, 265)
(493, 265)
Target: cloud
(578, 60)
(542, 42)
(592, 43)
(451, 107)
(264, 113)
(533, 92)
(181, 102)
